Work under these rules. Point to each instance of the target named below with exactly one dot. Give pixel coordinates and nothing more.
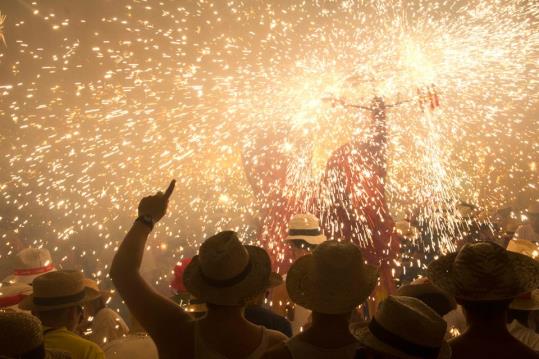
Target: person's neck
(333, 323)
(225, 314)
(497, 325)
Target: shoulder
(275, 337)
(279, 351)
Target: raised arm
(161, 317)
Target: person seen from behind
(101, 324)
(225, 275)
(332, 282)
(304, 235)
(485, 278)
(403, 328)
(57, 301)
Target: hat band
(33, 271)
(59, 300)
(304, 232)
(402, 344)
(224, 283)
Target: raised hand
(155, 207)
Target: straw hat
(92, 284)
(305, 227)
(30, 264)
(22, 337)
(12, 295)
(333, 279)
(523, 246)
(484, 271)
(57, 290)
(428, 293)
(18, 325)
(407, 328)
(225, 272)
(527, 301)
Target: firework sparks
(2, 20)
(109, 107)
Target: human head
(21, 337)
(304, 234)
(58, 298)
(484, 271)
(332, 280)
(441, 302)
(300, 248)
(30, 263)
(70, 318)
(93, 306)
(485, 312)
(404, 327)
(226, 272)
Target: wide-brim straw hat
(523, 246)
(92, 284)
(30, 263)
(528, 301)
(306, 227)
(226, 272)
(12, 295)
(333, 279)
(57, 290)
(434, 297)
(407, 328)
(484, 271)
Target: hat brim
(314, 240)
(25, 279)
(28, 302)
(302, 289)
(365, 337)
(531, 303)
(253, 284)
(440, 272)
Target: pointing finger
(170, 189)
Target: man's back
(492, 347)
(64, 340)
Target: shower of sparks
(101, 106)
(2, 20)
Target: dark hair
(302, 244)
(485, 310)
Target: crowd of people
(480, 301)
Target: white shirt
(107, 326)
(526, 335)
(526, 231)
(134, 346)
